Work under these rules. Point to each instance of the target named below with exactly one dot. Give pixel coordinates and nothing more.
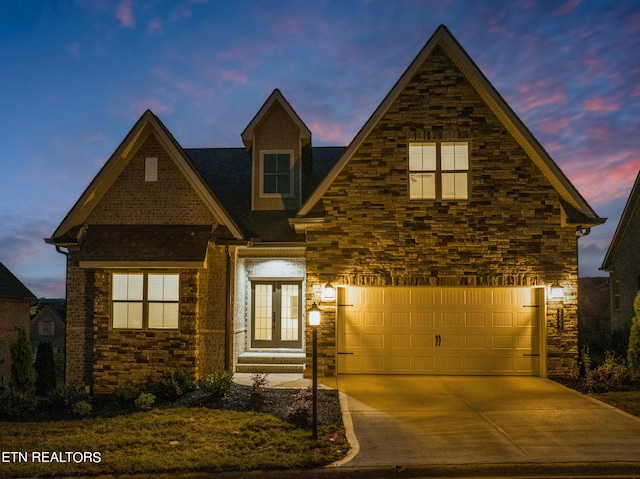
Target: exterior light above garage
(557, 292)
(328, 292)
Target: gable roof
(275, 97)
(146, 125)
(443, 38)
(11, 287)
(632, 205)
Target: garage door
(425, 330)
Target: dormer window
(277, 173)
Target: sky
(75, 76)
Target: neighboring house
(622, 261)
(440, 231)
(48, 326)
(15, 300)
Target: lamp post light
(314, 322)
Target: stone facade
(507, 234)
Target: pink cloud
(153, 104)
(124, 13)
(233, 77)
(553, 125)
(567, 7)
(598, 104)
(330, 133)
(154, 26)
(538, 94)
(595, 65)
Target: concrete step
(269, 362)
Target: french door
(276, 314)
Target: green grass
(169, 440)
(628, 401)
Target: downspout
(229, 317)
(66, 285)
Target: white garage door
(424, 330)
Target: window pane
(422, 186)
(289, 314)
(127, 287)
(283, 163)
(127, 315)
(163, 315)
(270, 163)
(455, 156)
(263, 312)
(422, 157)
(163, 287)
(270, 184)
(454, 186)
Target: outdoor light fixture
(556, 291)
(328, 292)
(314, 322)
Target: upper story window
(439, 170)
(277, 173)
(145, 300)
(46, 328)
(150, 169)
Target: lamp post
(314, 322)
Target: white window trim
(438, 172)
(291, 175)
(145, 301)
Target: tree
(45, 370)
(633, 352)
(23, 375)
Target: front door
(276, 314)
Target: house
(15, 299)
(441, 240)
(622, 261)
(48, 326)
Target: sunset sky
(75, 75)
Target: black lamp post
(314, 322)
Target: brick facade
(507, 234)
(103, 358)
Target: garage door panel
(426, 330)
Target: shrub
(260, 381)
(128, 393)
(23, 375)
(611, 375)
(633, 351)
(217, 384)
(145, 401)
(81, 408)
(63, 400)
(45, 370)
(301, 409)
(176, 383)
(16, 404)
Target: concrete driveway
(435, 420)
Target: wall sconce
(328, 292)
(557, 292)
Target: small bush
(301, 409)
(62, 401)
(217, 384)
(176, 383)
(128, 393)
(145, 401)
(16, 404)
(81, 408)
(611, 375)
(256, 401)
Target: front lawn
(164, 440)
(628, 401)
